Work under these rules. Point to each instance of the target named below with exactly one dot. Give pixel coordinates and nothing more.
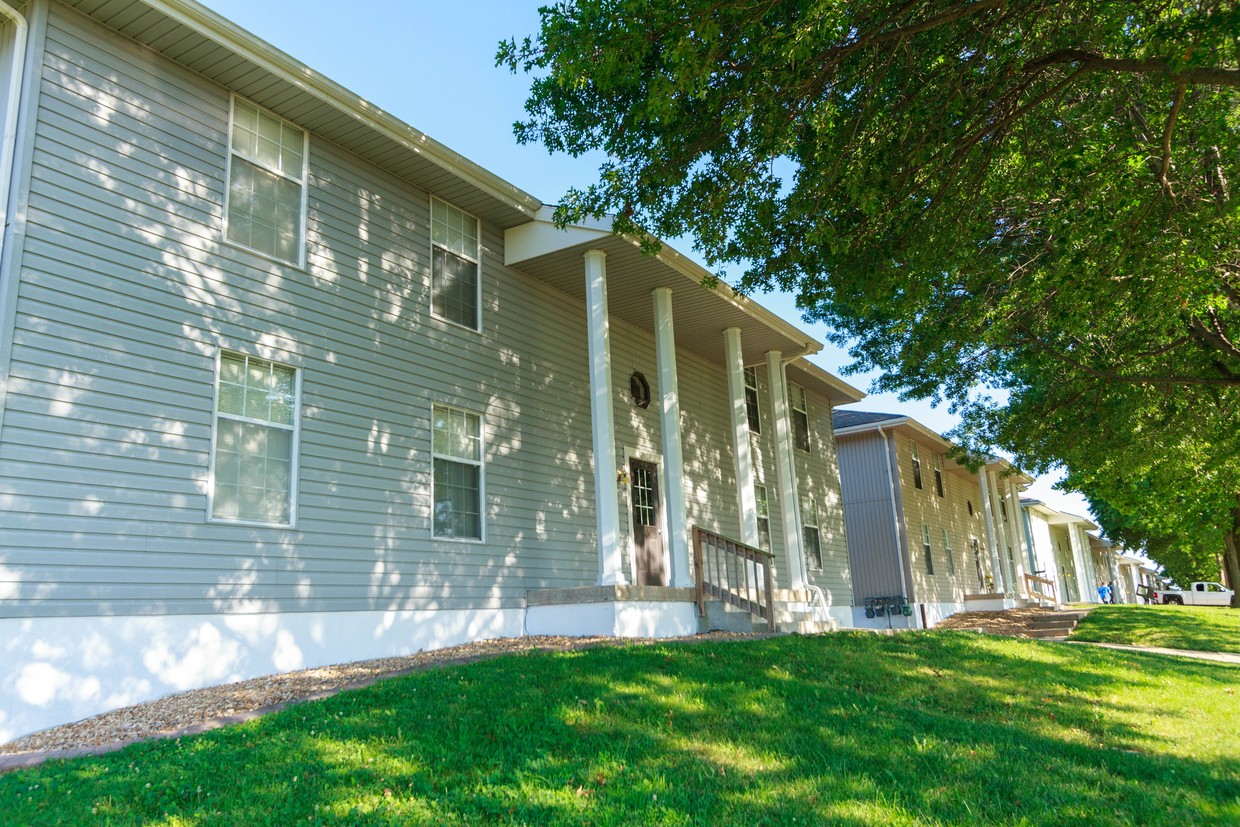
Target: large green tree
(1022, 194)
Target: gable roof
(851, 419)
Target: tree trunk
(1231, 554)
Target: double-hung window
(266, 209)
(751, 400)
(456, 288)
(764, 517)
(800, 417)
(925, 548)
(938, 474)
(456, 449)
(916, 465)
(809, 531)
(253, 467)
(947, 549)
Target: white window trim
(477, 259)
(809, 432)
(947, 550)
(919, 473)
(752, 372)
(295, 459)
(482, 474)
(766, 497)
(816, 526)
(304, 181)
(927, 550)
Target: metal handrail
(737, 574)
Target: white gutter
(17, 78)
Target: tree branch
(1096, 61)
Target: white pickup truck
(1201, 593)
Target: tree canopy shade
(1025, 194)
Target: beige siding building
(923, 527)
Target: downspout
(901, 552)
(17, 79)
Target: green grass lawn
(1203, 628)
(850, 729)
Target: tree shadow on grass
(842, 729)
(1204, 629)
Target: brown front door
(647, 541)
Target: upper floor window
(800, 417)
(253, 469)
(811, 535)
(916, 465)
(266, 209)
(751, 400)
(938, 474)
(764, 517)
(456, 289)
(1003, 510)
(456, 494)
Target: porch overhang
(705, 307)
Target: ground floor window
(925, 548)
(457, 486)
(253, 463)
(809, 530)
(764, 518)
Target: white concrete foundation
(618, 618)
(57, 670)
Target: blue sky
(433, 66)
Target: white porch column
(1019, 539)
(992, 535)
(1087, 589)
(785, 471)
(606, 501)
(741, 449)
(669, 426)
(1003, 534)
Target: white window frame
(304, 182)
(751, 387)
(482, 473)
(294, 449)
(927, 550)
(477, 260)
(947, 549)
(760, 500)
(918, 476)
(816, 527)
(793, 388)
(940, 482)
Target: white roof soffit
(555, 256)
(211, 45)
(808, 375)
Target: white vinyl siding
(266, 183)
(457, 451)
(254, 460)
(455, 282)
(800, 417)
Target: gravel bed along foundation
(196, 708)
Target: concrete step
(1048, 634)
(721, 617)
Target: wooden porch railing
(735, 573)
(1039, 588)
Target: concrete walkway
(1219, 657)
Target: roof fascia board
(845, 390)
(231, 36)
(871, 426)
(542, 237)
